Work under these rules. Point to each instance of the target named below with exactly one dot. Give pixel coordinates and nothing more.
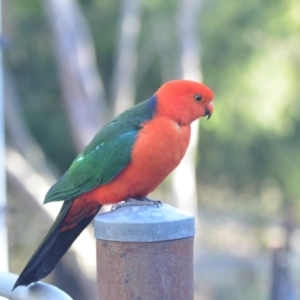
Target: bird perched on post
(128, 158)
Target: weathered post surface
(146, 253)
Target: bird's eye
(198, 98)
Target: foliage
(250, 59)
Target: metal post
(145, 252)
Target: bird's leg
(138, 201)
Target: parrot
(127, 159)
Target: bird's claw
(139, 201)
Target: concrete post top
(144, 224)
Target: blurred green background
(248, 155)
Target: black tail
(56, 243)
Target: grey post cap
(144, 224)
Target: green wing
(106, 156)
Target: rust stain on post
(142, 271)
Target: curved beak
(209, 109)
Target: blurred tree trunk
(282, 285)
(76, 62)
(3, 195)
(184, 177)
(18, 133)
(85, 102)
(123, 85)
(30, 174)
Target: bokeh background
(71, 65)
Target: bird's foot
(138, 201)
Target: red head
(184, 101)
